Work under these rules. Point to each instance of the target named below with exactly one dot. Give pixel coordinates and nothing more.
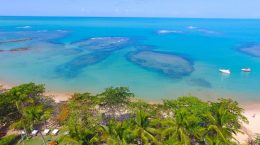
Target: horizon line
(161, 17)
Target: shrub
(9, 140)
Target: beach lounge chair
(23, 132)
(66, 133)
(34, 132)
(46, 132)
(55, 132)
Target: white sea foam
(102, 43)
(205, 31)
(61, 31)
(192, 27)
(24, 27)
(168, 31)
(42, 31)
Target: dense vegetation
(9, 140)
(115, 117)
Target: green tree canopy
(116, 96)
(14, 100)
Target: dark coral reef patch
(19, 49)
(72, 68)
(252, 49)
(199, 82)
(99, 49)
(15, 40)
(173, 65)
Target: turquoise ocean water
(155, 57)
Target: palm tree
(79, 135)
(143, 129)
(116, 133)
(36, 115)
(226, 121)
(174, 130)
(23, 122)
(172, 134)
(82, 136)
(81, 131)
(23, 96)
(189, 119)
(213, 133)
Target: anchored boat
(246, 69)
(225, 71)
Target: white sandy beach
(57, 96)
(252, 112)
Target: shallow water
(156, 58)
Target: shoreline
(56, 96)
(251, 111)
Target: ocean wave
(211, 32)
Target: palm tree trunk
(42, 138)
(26, 133)
(23, 139)
(24, 136)
(45, 123)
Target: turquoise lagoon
(155, 57)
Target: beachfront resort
(116, 116)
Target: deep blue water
(155, 57)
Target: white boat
(225, 71)
(246, 69)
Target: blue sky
(133, 8)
